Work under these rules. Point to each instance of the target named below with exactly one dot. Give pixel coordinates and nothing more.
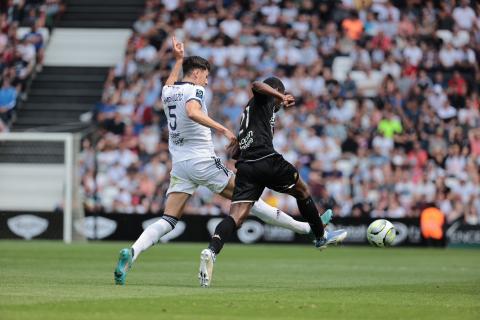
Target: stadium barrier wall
(463, 235)
(31, 225)
(198, 228)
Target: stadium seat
(341, 67)
(445, 35)
(367, 86)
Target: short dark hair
(194, 62)
(275, 83)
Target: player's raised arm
(263, 88)
(178, 53)
(194, 112)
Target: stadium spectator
(448, 56)
(24, 29)
(464, 15)
(382, 93)
(353, 26)
(457, 90)
(8, 100)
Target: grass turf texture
(50, 280)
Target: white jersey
(187, 138)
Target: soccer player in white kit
(194, 162)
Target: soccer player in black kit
(259, 166)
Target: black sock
(222, 233)
(309, 211)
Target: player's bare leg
(274, 216)
(238, 213)
(151, 235)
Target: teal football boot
(123, 266)
(332, 237)
(326, 217)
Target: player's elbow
(256, 85)
(191, 113)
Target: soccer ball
(381, 233)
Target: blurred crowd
(25, 27)
(387, 120)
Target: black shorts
(252, 177)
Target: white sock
(276, 217)
(152, 235)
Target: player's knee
(300, 192)
(239, 212)
(305, 194)
(239, 219)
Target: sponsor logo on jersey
(27, 226)
(247, 141)
(272, 122)
(176, 139)
(199, 94)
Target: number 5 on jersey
(173, 117)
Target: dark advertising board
(198, 228)
(463, 235)
(31, 225)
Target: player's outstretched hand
(231, 138)
(288, 101)
(178, 49)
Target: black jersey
(256, 128)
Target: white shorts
(187, 175)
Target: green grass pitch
(50, 280)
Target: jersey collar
(184, 82)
